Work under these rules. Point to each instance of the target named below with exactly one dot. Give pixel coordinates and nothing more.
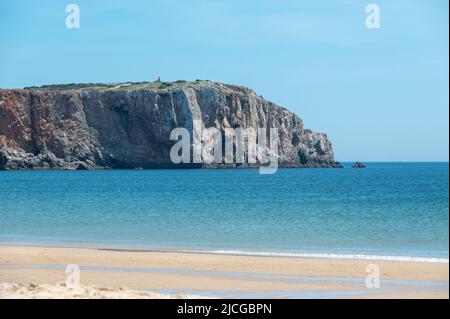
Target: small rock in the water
(359, 165)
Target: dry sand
(131, 274)
(61, 291)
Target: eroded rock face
(128, 125)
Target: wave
(323, 256)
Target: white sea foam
(326, 256)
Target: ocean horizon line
(399, 162)
(345, 165)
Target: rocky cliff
(128, 125)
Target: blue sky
(380, 94)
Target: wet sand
(151, 274)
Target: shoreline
(217, 276)
(234, 252)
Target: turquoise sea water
(387, 209)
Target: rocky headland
(128, 125)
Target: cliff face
(128, 125)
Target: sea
(387, 211)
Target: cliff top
(156, 85)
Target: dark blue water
(385, 209)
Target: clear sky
(380, 94)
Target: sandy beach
(40, 272)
